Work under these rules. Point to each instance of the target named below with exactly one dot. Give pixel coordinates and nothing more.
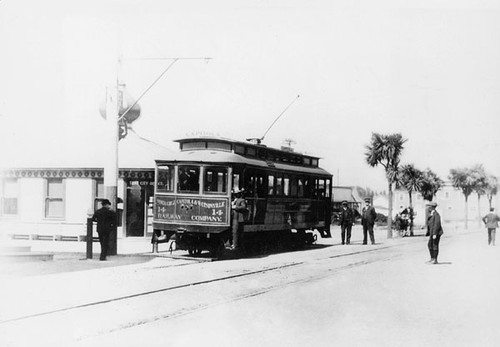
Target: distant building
(381, 204)
(451, 204)
(348, 194)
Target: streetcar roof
(225, 157)
(241, 143)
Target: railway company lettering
(195, 202)
(207, 219)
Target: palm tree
(463, 179)
(431, 184)
(480, 185)
(386, 150)
(411, 179)
(491, 188)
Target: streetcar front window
(215, 180)
(189, 179)
(165, 180)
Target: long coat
(106, 220)
(368, 216)
(434, 224)
(346, 217)
(491, 220)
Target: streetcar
(288, 195)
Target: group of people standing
(434, 227)
(347, 218)
(369, 215)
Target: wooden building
(53, 201)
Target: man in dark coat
(368, 217)
(435, 230)
(491, 221)
(346, 219)
(106, 224)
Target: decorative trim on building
(143, 174)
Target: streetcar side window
(261, 186)
(279, 185)
(286, 186)
(308, 187)
(215, 180)
(189, 179)
(236, 180)
(328, 188)
(300, 187)
(270, 180)
(320, 188)
(165, 180)
(293, 186)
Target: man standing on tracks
(239, 211)
(368, 217)
(346, 219)
(435, 230)
(491, 220)
(106, 223)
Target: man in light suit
(239, 211)
(435, 230)
(491, 220)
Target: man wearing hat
(368, 217)
(106, 223)
(239, 210)
(491, 221)
(435, 230)
(346, 218)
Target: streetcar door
(137, 208)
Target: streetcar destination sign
(191, 210)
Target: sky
(429, 70)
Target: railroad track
(190, 284)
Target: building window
(54, 200)
(100, 193)
(10, 196)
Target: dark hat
(367, 200)
(432, 203)
(105, 202)
(344, 202)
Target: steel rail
(190, 284)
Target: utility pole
(111, 162)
